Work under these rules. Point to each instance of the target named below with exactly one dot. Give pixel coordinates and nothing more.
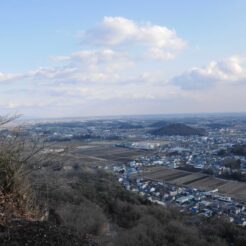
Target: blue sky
(76, 58)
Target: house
(184, 199)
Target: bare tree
(20, 154)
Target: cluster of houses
(203, 152)
(194, 151)
(189, 200)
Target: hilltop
(178, 129)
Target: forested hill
(178, 129)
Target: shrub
(20, 154)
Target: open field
(98, 152)
(201, 181)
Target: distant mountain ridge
(178, 129)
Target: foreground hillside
(49, 200)
(91, 204)
(39, 233)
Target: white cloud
(51, 73)
(112, 31)
(93, 59)
(6, 77)
(231, 70)
(87, 66)
(112, 75)
(156, 41)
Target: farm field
(198, 180)
(96, 153)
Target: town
(202, 172)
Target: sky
(75, 58)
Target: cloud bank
(231, 71)
(121, 68)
